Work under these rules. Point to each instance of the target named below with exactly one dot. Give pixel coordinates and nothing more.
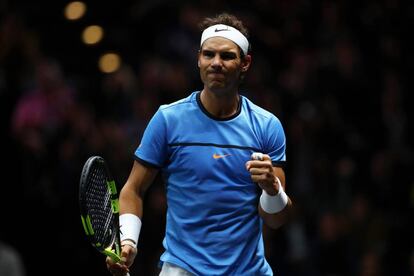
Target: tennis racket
(99, 207)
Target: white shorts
(173, 270)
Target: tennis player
(222, 157)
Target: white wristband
(274, 204)
(130, 227)
(128, 242)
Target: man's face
(220, 64)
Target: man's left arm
(274, 206)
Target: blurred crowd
(337, 73)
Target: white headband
(227, 32)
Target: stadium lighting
(92, 34)
(109, 62)
(75, 10)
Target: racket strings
(99, 206)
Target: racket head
(99, 207)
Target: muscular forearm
(130, 202)
(132, 194)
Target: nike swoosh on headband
(220, 30)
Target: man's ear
(246, 62)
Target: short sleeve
(276, 142)
(153, 148)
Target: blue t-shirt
(213, 226)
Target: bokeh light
(109, 62)
(92, 34)
(75, 10)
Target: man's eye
(228, 56)
(208, 54)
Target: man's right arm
(132, 194)
(131, 203)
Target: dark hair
(226, 19)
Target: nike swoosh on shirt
(218, 156)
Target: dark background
(338, 74)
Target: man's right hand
(121, 268)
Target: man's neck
(221, 105)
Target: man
(221, 156)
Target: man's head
(233, 29)
(224, 52)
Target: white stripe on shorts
(173, 270)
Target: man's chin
(217, 88)
(216, 85)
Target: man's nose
(217, 61)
